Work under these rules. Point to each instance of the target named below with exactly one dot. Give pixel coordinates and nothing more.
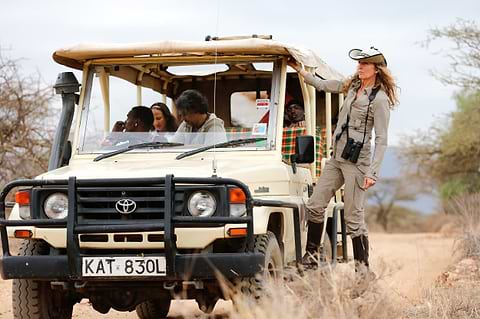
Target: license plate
(123, 266)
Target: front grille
(93, 238)
(98, 203)
(123, 238)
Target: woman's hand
(368, 182)
(295, 65)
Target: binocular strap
(371, 97)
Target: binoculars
(352, 149)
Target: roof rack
(240, 37)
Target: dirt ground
(407, 264)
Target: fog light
(24, 212)
(237, 210)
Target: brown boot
(312, 254)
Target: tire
(35, 299)
(154, 309)
(268, 245)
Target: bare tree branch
(25, 132)
(464, 56)
(388, 193)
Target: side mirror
(304, 149)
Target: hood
(248, 170)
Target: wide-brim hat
(371, 56)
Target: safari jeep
(133, 224)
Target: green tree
(447, 155)
(459, 159)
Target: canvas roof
(75, 56)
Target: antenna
(214, 162)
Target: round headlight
(56, 206)
(202, 204)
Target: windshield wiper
(135, 146)
(223, 144)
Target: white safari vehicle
(131, 225)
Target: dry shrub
(449, 302)
(28, 122)
(440, 223)
(467, 208)
(323, 293)
(457, 293)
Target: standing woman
(164, 121)
(370, 94)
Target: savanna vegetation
(27, 124)
(446, 156)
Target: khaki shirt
(378, 119)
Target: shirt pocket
(356, 124)
(360, 113)
(356, 134)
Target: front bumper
(186, 267)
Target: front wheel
(268, 245)
(36, 299)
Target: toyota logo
(125, 206)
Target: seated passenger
(192, 106)
(295, 114)
(139, 120)
(164, 121)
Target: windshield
(117, 113)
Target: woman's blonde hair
(384, 79)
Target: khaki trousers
(333, 176)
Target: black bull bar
(178, 266)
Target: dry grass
(327, 293)
(323, 293)
(467, 209)
(462, 301)
(457, 294)
(440, 223)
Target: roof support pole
(277, 101)
(312, 93)
(308, 93)
(164, 94)
(139, 87)
(105, 87)
(328, 123)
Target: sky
(33, 30)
